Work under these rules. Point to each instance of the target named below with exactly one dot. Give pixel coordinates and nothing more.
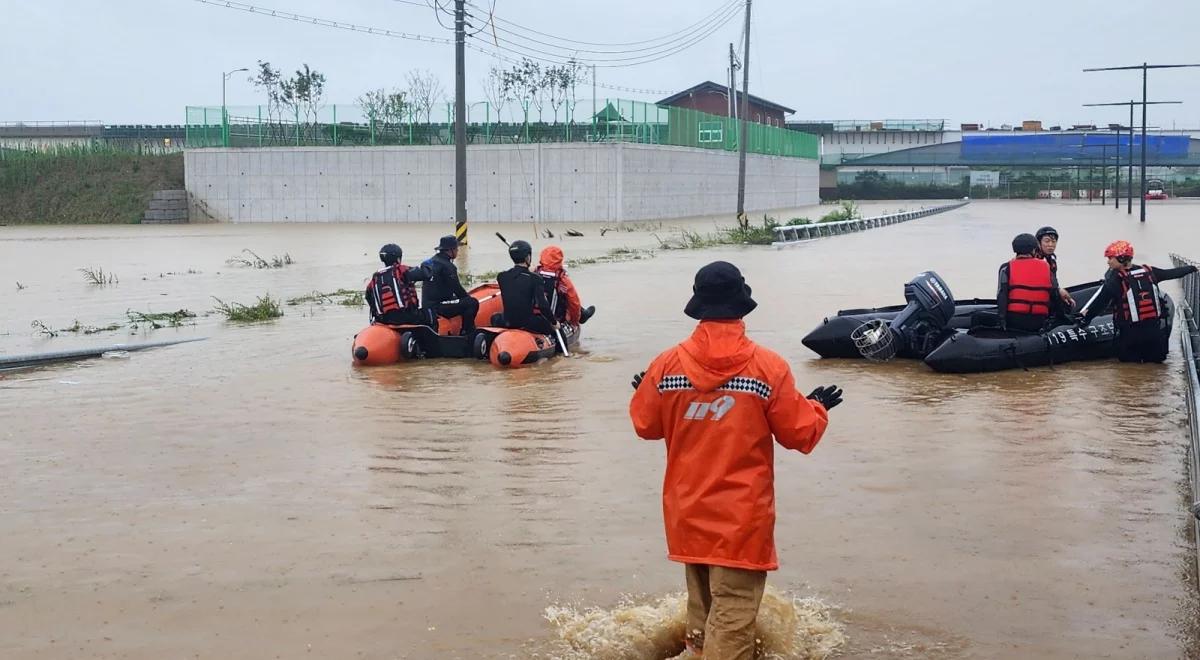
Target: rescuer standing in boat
(1138, 316)
(718, 399)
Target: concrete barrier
(795, 234)
(566, 182)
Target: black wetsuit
(522, 292)
(445, 295)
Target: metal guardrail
(793, 234)
(1190, 345)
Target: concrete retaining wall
(506, 183)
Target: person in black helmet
(524, 297)
(1025, 295)
(1047, 238)
(444, 294)
(391, 291)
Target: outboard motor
(917, 329)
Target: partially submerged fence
(1190, 346)
(793, 234)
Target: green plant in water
(347, 297)
(256, 261)
(97, 276)
(265, 309)
(157, 320)
(763, 234)
(847, 210)
(42, 328)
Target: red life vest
(392, 292)
(1029, 287)
(1139, 295)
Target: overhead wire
(620, 62)
(724, 6)
(518, 39)
(324, 22)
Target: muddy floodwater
(254, 496)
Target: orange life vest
(1139, 299)
(1029, 287)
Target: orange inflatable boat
(513, 349)
(379, 343)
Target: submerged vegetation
(346, 297)
(97, 276)
(265, 309)
(253, 260)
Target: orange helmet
(1119, 249)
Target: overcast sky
(142, 61)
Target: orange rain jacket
(717, 399)
(551, 261)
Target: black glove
(828, 396)
(637, 379)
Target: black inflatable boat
(961, 336)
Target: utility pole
(1129, 200)
(1117, 181)
(733, 67)
(1145, 68)
(743, 134)
(1131, 103)
(460, 124)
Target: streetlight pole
(1131, 103)
(1145, 68)
(224, 115)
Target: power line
(394, 34)
(557, 58)
(637, 53)
(323, 22)
(666, 37)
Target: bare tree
(497, 92)
(559, 83)
(424, 92)
(523, 82)
(372, 103)
(267, 79)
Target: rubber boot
(587, 314)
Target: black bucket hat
(720, 292)
(447, 243)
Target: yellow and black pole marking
(460, 232)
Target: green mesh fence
(607, 120)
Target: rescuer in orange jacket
(560, 290)
(1026, 294)
(718, 399)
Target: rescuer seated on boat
(560, 290)
(392, 292)
(1026, 294)
(444, 295)
(1138, 314)
(1047, 238)
(524, 297)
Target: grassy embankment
(82, 185)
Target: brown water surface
(254, 496)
